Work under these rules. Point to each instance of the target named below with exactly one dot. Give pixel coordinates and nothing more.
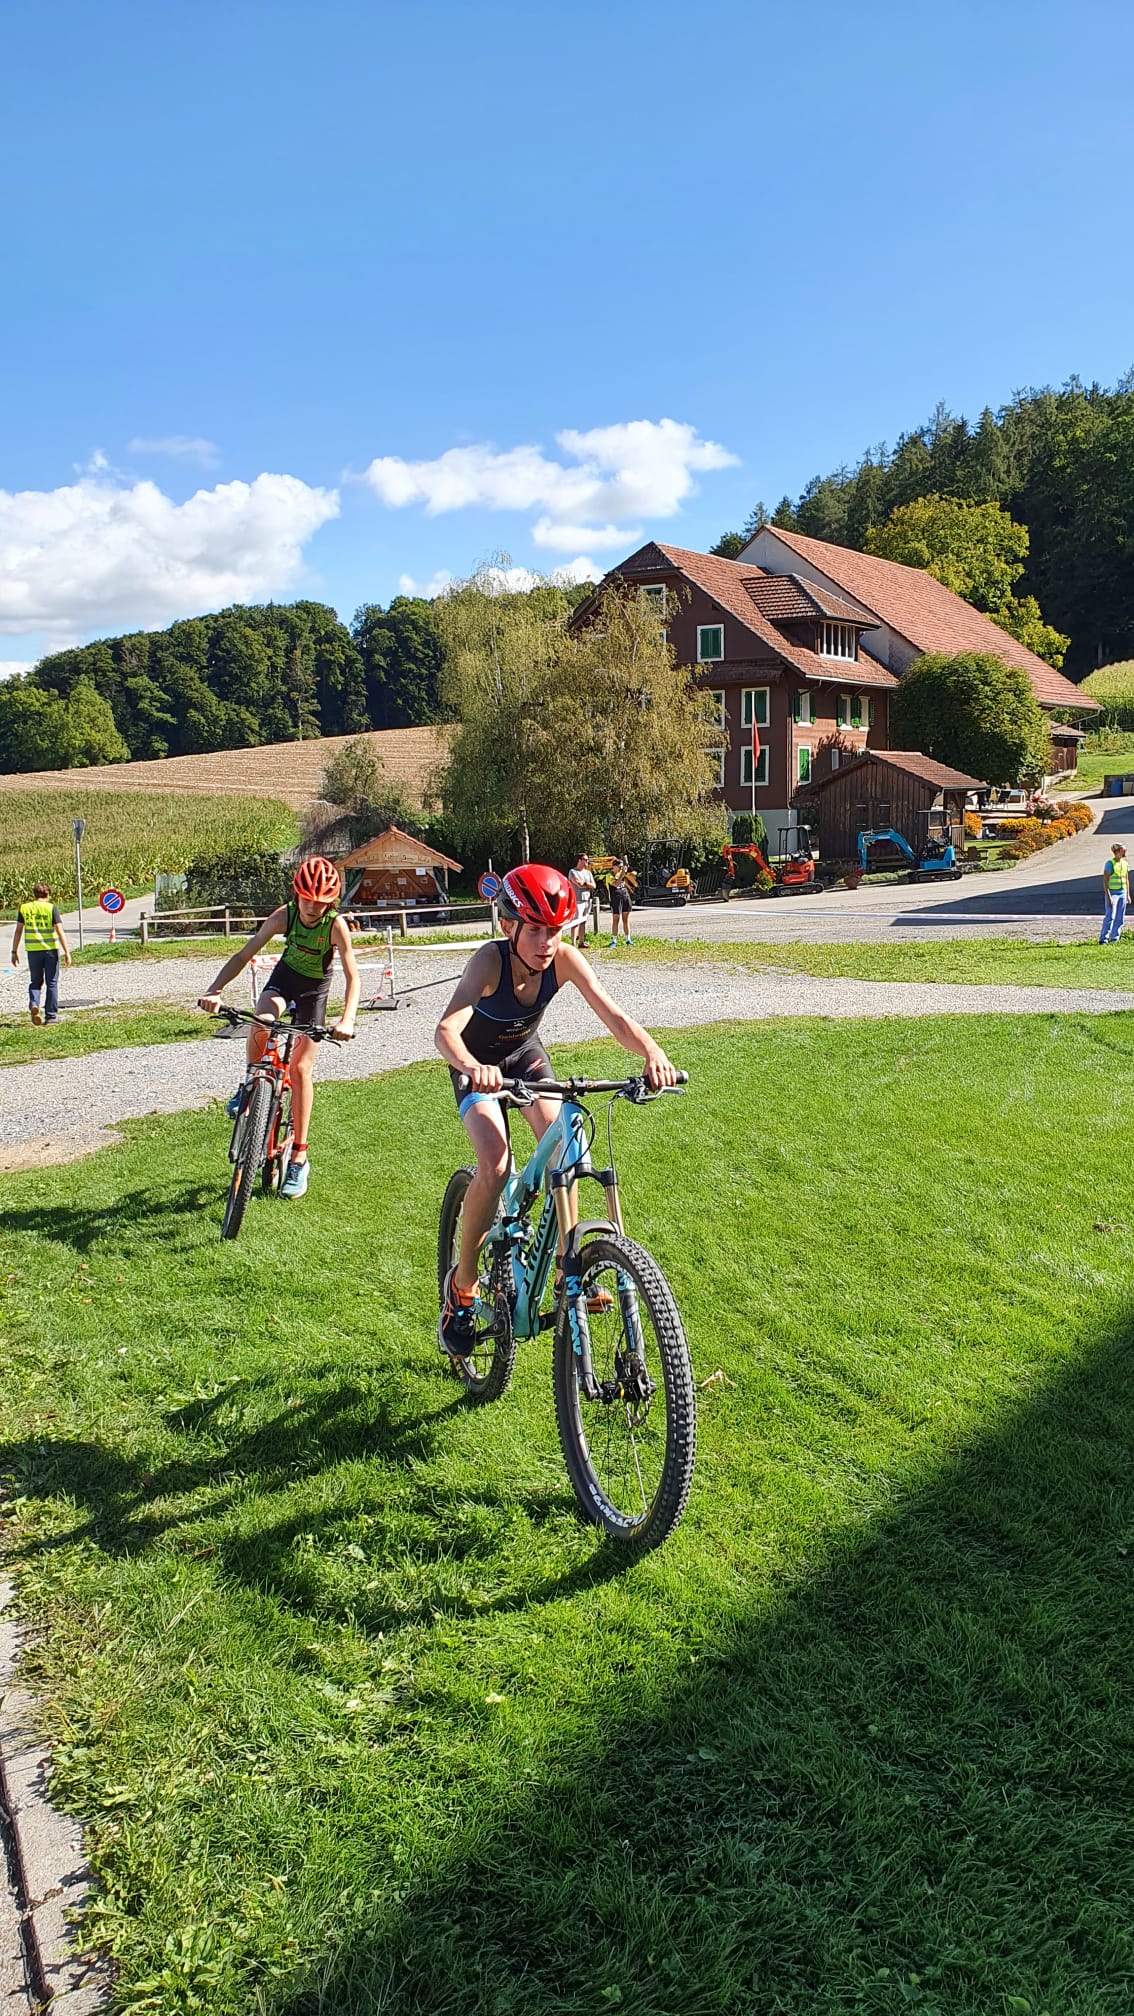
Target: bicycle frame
(558, 1162)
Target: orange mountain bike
(262, 1132)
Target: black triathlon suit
(504, 1031)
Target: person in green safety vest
(313, 932)
(1116, 894)
(40, 926)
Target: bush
(974, 825)
(253, 882)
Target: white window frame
(719, 754)
(748, 707)
(704, 657)
(746, 765)
(654, 593)
(801, 701)
(838, 640)
(843, 711)
(803, 764)
(717, 693)
(835, 753)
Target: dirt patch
(43, 1150)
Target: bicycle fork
(562, 1183)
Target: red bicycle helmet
(317, 880)
(535, 894)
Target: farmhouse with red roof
(807, 641)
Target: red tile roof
(914, 764)
(929, 615)
(787, 599)
(726, 581)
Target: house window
(754, 707)
(746, 765)
(718, 756)
(849, 712)
(803, 763)
(870, 713)
(710, 643)
(835, 753)
(657, 597)
(838, 640)
(801, 708)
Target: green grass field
(129, 836)
(1004, 962)
(363, 1719)
(85, 1034)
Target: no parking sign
(488, 888)
(112, 901)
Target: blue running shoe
(295, 1182)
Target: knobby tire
(257, 1119)
(487, 1373)
(584, 1422)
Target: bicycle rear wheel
(487, 1371)
(630, 1449)
(250, 1150)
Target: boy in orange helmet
(312, 932)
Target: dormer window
(838, 640)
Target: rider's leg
(484, 1125)
(268, 1004)
(301, 1073)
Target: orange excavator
(793, 873)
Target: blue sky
(483, 252)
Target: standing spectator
(621, 900)
(39, 924)
(583, 883)
(1116, 894)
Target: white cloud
(616, 475)
(506, 580)
(99, 555)
(429, 590)
(188, 447)
(10, 667)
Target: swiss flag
(755, 748)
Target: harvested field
(287, 771)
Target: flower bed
(1048, 824)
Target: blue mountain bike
(625, 1402)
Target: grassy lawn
(1006, 962)
(83, 1032)
(362, 1717)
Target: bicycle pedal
(547, 1319)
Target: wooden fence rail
(225, 921)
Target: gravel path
(54, 1110)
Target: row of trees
(1060, 463)
(246, 676)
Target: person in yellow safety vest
(40, 926)
(1116, 893)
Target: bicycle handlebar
(524, 1090)
(318, 1034)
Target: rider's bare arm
(571, 966)
(479, 975)
(340, 939)
(272, 927)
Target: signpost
(112, 901)
(78, 828)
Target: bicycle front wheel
(630, 1446)
(487, 1371)
(249, 1155)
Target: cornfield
(130, 836)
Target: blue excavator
(936, 855)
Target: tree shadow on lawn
(903, 1784)
(82, 1226)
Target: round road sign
(112, 901)
(488, 888)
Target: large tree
(575, 735)
(400, 651)
(979, 552)
(41, 731)
(973, 712)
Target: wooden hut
(395, 868)
(888, 787)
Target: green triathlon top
(1118, 877)
(307, 947)
(39, 919)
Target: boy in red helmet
(312, 932)
(490, 1031)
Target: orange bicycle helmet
(317, 880)
(535, 894)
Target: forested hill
(1061, 463)
(271, 673)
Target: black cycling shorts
(306, 998)
(530, 1060)
(621, 902)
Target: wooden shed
(888, 787)
(396, 868)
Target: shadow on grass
(82, 1226)
(903, 1785)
